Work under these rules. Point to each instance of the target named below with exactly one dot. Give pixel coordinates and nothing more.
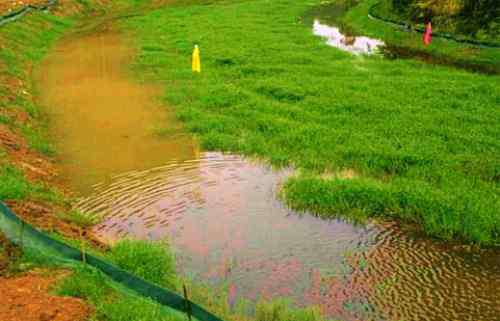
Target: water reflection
(354, 44)
(221, 214)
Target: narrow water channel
(326, 22)
(221, 212)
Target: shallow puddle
(325, 20)
(221, 212)
(354, 44)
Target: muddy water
(103, 122)
(221, 213)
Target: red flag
(428, 34)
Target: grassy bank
(27, 151)
(420, 141)
(448, 50)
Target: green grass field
(422, 140)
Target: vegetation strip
(26, 234)
(372, 14)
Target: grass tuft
(149, 260)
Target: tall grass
(280, 310)
(15, 186)
(423, 138)
(148, 260)
(109, 303)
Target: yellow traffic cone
(196, 59)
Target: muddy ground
(28, 298)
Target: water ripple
(221, 214)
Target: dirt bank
(27, 298)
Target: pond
(222, 215)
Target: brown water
(221, 213)
(103, 122)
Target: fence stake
(82, 244)
(21, 235)
(187, 302)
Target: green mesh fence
(26, 236)
(372, 13)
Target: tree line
(465, 16)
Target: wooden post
(21, 235)
(187, 302)
(82, 245)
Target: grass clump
(281, 310)
(137, 309)
(80, 219)
(85, 283)
(13, 184)
(110, 302)
(151, 261)
(420, 134)
(360, 198)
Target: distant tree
(481, 10)
(465, 16)
(480, 14)
(402, 5)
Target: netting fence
(23, 234)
